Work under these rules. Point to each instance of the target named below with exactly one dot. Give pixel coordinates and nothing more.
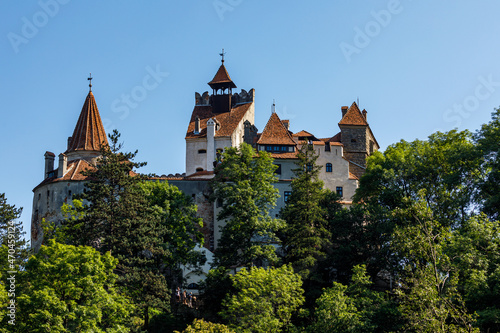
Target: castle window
(340, 191)
(327, 146)
(371, 147)
(219, 203)
(353, 140)
(309, 167)
(202, 151)
(328, 167)
(199, 169)
(287, 195)
(278, 170)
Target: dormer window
(197, 125)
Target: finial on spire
(90, 81)
(273, 107)
(222, 55)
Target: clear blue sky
(416, 66)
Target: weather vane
(222, 55)
(90, 81)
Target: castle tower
(89, 134)
(217, 121)
(59, 185)
(357, 138)
(222, 86)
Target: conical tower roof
(89, 132)
(222, 79)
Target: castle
(219, 120)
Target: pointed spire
(222, 80)
(90, 82)
(89, 132)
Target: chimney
(344, 111)
(49, 163)
(210, 144)
(197, 125)
(286, 123)
(63, 164)
(364, 114)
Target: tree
(119, 218)
(264, 299)
(354, 308)
(70, 289)
(445, 166)
(243, 182)
(475, 250)
(201, 326)
(487, 139)
(429, 299)
(180, 226)
(306, 235)
(11, 231)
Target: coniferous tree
(306, 234)
(243, 183)
(119, 219)
(11, 231)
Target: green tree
(429, 299)
(119, 218)
(306, 235)
(445, 166)
(475, 249)
(180, 226)
(201, 326)
(11, 231)
(488, 144)
(354, 308)
(243, 182)
(264, 299)
(70, 289)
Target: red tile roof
(228, 121)
(73, 172)
(89, 133)
(275, 133)
(353, 116)
(282, 156)
(303, 133)
(221, 77)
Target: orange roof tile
(73, 172)
(222, 76)
(228, 120)
(282, 156)
(353, 116)
(89, 132)
(352, 176)
(275, 133)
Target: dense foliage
(243, 185)
(418, 250)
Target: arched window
(328, 167)
(199, 169)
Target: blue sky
(416, 66)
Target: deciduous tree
(264, 299)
